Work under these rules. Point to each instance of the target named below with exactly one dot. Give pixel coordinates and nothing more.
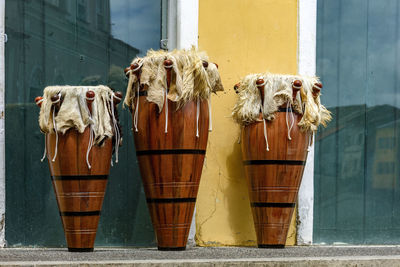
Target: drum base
(171, 248)
(80, 249)
(270, 246)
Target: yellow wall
(242, 37)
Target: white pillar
(187, 18)
(2, 136)
(187, 31)
(307, 28)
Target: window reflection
(357, 193)
(136, 22)
(75, 42)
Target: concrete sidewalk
(201, 256)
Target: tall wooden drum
(170, 147)
(79, 155)
(274, 155)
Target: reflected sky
(358, 54)
(137, 23)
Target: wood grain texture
(171, 164)
(79, 190)
(273, 176)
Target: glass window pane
(357, 175)
(75, 42)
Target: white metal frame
(183, 31)
(307, 30)
(2, 136)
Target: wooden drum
(274, 147)
(170, 151)
(171, 165)
(79, 166)
(274, 176)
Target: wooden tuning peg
(260, 85)
(38, 101)
(56, 101)
(117, 97)
(316, 89)
(168, 65)
(89, 99)
(296, 87)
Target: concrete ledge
(196, 256)
(281, 262)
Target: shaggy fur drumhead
(189, 81)
(278, 91)
(74, 112)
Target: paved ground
(200, 256)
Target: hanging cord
(209, 115)
(45, 149)
(260, 83)
(166, 97)
(265, 134)
(55, 124)
(138, 65)
(55, 130)
(265, 128)
(39, 101)
(166, 111)
(288, 105)
(136, 116)
(197, 117)
(90, 145)
(115, 124)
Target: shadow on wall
(237, 200)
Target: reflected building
(57, 42)
(357, 175)
(361, 131)
(62, 42)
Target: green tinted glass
(75, 42)
(357, 173)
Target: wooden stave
(171, 232)
(271, 203)
(79, 190)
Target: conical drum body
(79, 190)
(274, 176)
(170, 151)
